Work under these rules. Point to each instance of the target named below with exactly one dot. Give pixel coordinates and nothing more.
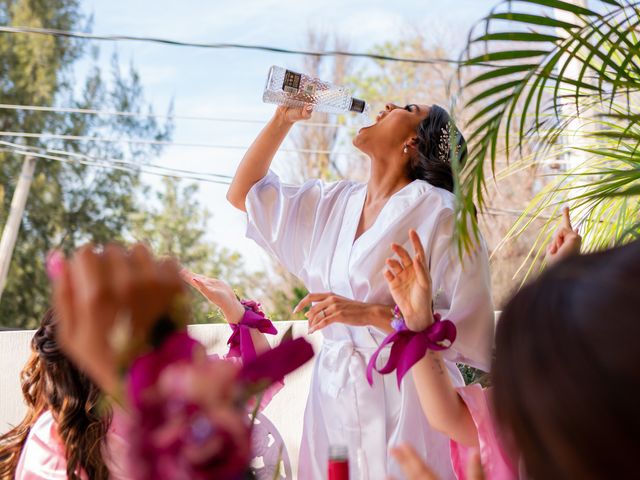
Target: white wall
(285, 411)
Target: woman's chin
(364, 129)
(360, 137)
(357, 141)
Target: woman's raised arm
(256, 162)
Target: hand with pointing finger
(566, 241)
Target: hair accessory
(444, 146)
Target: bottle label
(338, 470)
(291, 82)
(309, 88)
(357, 105)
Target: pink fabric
(497, 465)
(43, 456)
(267, 395)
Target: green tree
(69, 203)
(176, 225)
(407, 82)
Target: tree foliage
(176, 225)
(68, 204)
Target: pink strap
(240, 342)
(408, 347)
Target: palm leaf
(539, 77)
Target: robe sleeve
(462, 294)
(282, 218)
(497, 465)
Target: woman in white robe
(335, 237)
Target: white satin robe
(310, 229)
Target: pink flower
(189, 417)
(187, 422)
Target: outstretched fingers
(419, 260)
(399, 250)
(394, 266)
(389, 276)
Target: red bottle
(338, 467)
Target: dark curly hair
(438, 140)
(51, 382)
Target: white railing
(285, 410)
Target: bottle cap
(338, 452)
(357, 105)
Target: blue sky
(228, 83)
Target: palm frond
(554, 78)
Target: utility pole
(12, 227)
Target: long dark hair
(51, 382)
(438, 141)
(567, 368)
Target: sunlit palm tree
(561, 81)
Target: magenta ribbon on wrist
(408, 347)
(240, 342)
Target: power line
(132, 167)
(110, 161)
(178, 43)
(113, 167)
(90, 111)
(196, 176)
(82, 138)
(134, 164)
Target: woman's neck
(386, 179)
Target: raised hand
(103, 294)
(217, 292)
(410, 284)
(566, 241)
(293, 115)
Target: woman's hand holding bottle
(292, 115)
